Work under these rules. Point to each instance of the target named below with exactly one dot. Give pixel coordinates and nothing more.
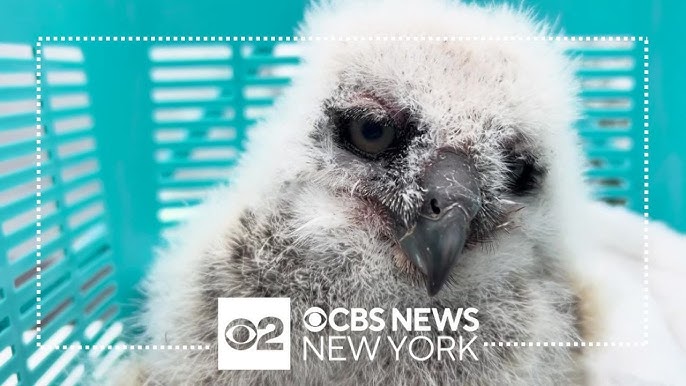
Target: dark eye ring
(370, 137)
(523, 176)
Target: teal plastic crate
(132, 133)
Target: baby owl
(402, 169)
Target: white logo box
(270, 346)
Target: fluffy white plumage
(613, 273)
(519, 87)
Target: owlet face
(394, 165)
(446, 144)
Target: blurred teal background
(94, 281)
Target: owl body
(512, 307)
(313, 207)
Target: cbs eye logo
(241, 334)
(254, 334)
(342, 319)
(315, 319)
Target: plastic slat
(18, 149)
(195, 164)
(195, 83)
(86, 274)
(628, 110)
(7, 338)
(106, 316)
(606, 93)
(28, 290)
(175, 63)
(23, 119)
(47, 195)
(604, 134)
(271, 60)
(198, 123)
(17, 65)
(608, 52)
(179, 203)
(171, 224)
(19, 266)
(55, 286)
(219, 102)
(609, 172)
(604, 72)
(607, 152)
(267, 81)
(594, 126)
(48, 222)
(70, 112)
(96, 252)
(98, 300)
(10, 367)
(200, 143)
(96, 289)
(47, 168)
(49, 360)
(57, 66)
(15, 94)
(250, 102)
(73, 136)
(67, 88)
(205, 183)
(608, 113)
(613, 192)
(60, 242)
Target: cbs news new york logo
(255, 333)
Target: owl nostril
(434, 206)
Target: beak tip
(433, 286)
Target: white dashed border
(394, 38)
(646, 148)
(140, 347)
(646, 185)
(563, 344)
(39, 104)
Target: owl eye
(370, 137)
(523, 175)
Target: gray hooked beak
(451, 200)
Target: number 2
(263, 342)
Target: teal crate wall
(130, 178)
(662, 22)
